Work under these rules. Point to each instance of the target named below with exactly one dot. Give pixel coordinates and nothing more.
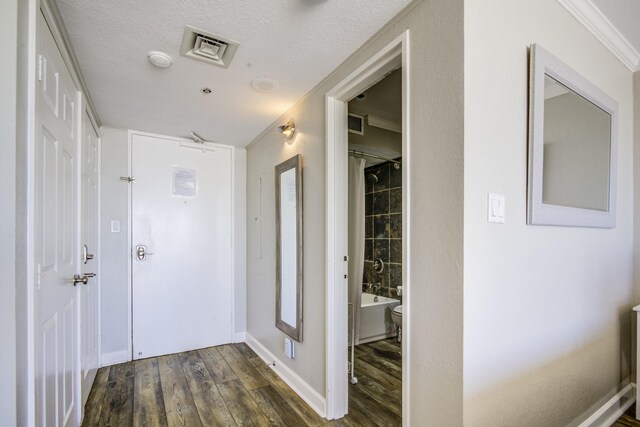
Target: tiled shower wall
(383, 228)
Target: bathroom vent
(356, 124)
(206, 47)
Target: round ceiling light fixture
(263, 85)
(160, 59)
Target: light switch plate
(115, 226)
(495, 208)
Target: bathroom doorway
(375, 250)
(367, 186)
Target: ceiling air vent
(356, 123)
(206, 47)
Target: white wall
(115, 250)
(27, 11)
(8, 87)
(436, 167)
(547, 321)
(115, 339)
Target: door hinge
(39, 68)
(346, 258)
(128, 178)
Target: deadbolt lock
(86, 256)
(141, 252)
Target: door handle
(86, 256)
(84, 279)
(141, 252)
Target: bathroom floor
(377, 397)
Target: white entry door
(182, 245)
(89, 239)
(56, 237)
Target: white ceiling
(625, 16)
(614, 23)
(295, 42)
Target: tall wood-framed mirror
(573, 128)
(289, 247)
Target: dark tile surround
(383, 227)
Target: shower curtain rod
(374, 156)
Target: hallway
(224, 385)
(231, 385)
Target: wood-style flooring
(628, 419)
(230, 385)
(377, 397)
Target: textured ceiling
(295, 42)
(625, 16)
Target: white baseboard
(376, 338)
(240, 337)
(613, 409)
(293, 380)
(115, 357)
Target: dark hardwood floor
(378, 394)
(628, 419)
(230, 385)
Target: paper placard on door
(183, 182)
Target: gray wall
(436, 169)
(8, 85)
(547, 319)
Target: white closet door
(56, 237)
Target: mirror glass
(577, 147)
(572, 147)
(289, 247)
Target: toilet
(396, 316)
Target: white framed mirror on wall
(573, 130)
(289, 247)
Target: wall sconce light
(288, 130)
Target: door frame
(97, 280)
(234, 195)
(392, 56)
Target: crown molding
(592, 18)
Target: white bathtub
(375, 318)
